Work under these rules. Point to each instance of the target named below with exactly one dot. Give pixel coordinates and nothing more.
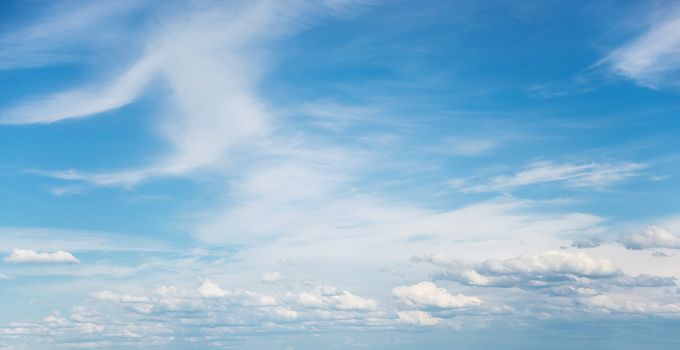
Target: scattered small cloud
(427, 294)
(27, 256)
(418, 318)
(210, 289)
(651, 237)
(591, 242)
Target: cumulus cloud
(552, 273)
(652, 237)
(210, 289)
(5, 277)
(331, 297)
(427, 294)
(530, 268)
(419, 318)
(628, 304)
(531, 271)
(25, 256)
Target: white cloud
(78, 104)
(652, 237)
(628, 304)
(271, 277)
(23, 256)
(653, 58)
(58, 32)
(419, 318)
(124, 298)
(330, 297)
(209, 289)
(427, 294)
(5, 277)
(573, 175)
(550, 269)
(284, 313)
(211, 59)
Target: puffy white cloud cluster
(652, 237)
(27, 256)
(331, 297)
(551, 274)
(427, 294)
(629, 304)
(417, 317)
(528, 270)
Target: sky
(339, 174)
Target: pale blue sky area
(339, 174)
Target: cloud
(551, 273)
(27, 256)
(427, 294)
(653, 58)
(467, 146)
(590, 242)
(209, 289)
(58, 32)
(5, 277)
(652, 237)
(419, 318)
(331, 297)
(271, 277)
(628, 304)
(530, 271)
(572, 175)
(83, 103)
(210, 59)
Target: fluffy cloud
(209, 289)
(628, 304)
(419, 318)
(530, 270)
(5, 277)
(330, 297)
(551, 273)
(25, 256)
(427, 294)
(652, 237)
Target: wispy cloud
(570, 174)
(211, 58)
(652, 58)
(58, 28)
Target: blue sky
(339, 174)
